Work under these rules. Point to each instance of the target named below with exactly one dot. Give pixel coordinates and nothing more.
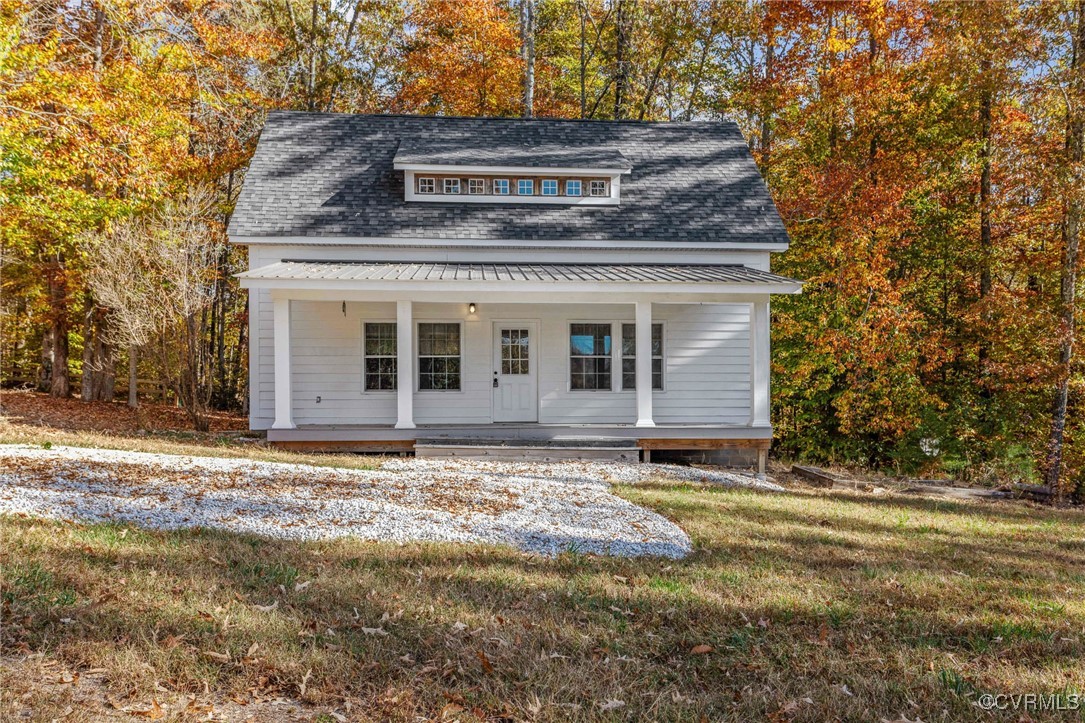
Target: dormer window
(573, 188)
(550, 187)
(501, 186)
(476, 186)
(452, 186)
(599, 188)
(525, 187)
(427, 185)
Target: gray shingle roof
(595, 273)
(332, 175)
(463, 150)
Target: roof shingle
(332, 175)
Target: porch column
(644, 364)
(405, 364)
(281, 336)
(760, 361)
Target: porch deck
(526, 440)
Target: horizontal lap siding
(707, 364)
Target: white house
(450, 285)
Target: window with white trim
(452, 185)
(427, 185)
(525, 187)
(501, 186)
(629, 356)
(590, 352)
(439, 356)
(573, 188)
(598, 188)
(550, 187)
(380, 368)
(476, 186)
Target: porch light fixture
(471, 308)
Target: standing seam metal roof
(588, 273)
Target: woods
(926, 159)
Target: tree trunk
(984, 351)
(1075, 152)
(59, 385)
(527, 51)
(99, 376)
(133, 377)
(620, 71)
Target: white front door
(515, 372)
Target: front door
(516, 373)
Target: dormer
(441, 171)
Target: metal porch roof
(505, 272)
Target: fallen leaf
(302, 585)
(268, 608)
(701, 649)
(612, 704)
(305, 682)
(374, 631)
(221, 657)
(155, 712)
(486, 665)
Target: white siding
(706, 375)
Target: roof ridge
(534, 119)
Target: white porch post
(760, 361)
(644, 364)
(405, 364)
(281, 316)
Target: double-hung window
(525, 187)
(501, 186)
(550, 187)
(452, 186)
(598, 188)
(573, 188)
(629, 356)
(439, 356)
(427, 185)
(380, 356)
(590, 351)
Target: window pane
(439, 356)
(572, 188)
(629, 373)
(629, 340)
(380, 374)
(525, 187)
(657, 340)
(550, 187)
(380, 339)
(438, 339)
(501, 186)
(589, 339)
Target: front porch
(370, 357)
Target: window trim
(493, 187)
(525, 180)
(481, 191)
(419, 180)
(448, 181)
(380, 392)
(542, 186)
(662, 358)
(614, 388)
(579, 185)
(418, 356)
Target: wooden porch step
(588, 450)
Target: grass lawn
(806, 605)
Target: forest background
(926, 157)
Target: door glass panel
(515, 351)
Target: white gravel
(540, 507)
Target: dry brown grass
(816, 605)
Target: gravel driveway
(540, 507)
